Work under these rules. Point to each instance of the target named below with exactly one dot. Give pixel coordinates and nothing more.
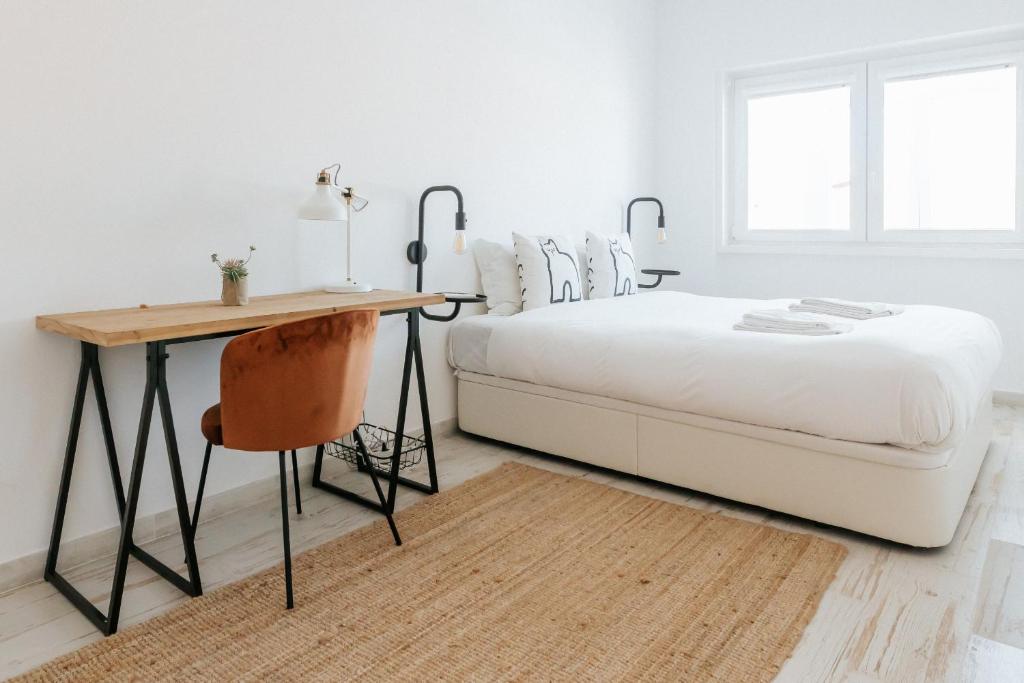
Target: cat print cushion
(549, 270)
(611, 267)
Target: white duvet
(912, 380)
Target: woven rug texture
(519, 574)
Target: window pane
(949, 152)
(798, 161)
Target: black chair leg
(202, 487)
(365, 461)
(290, 602)
(295, 477)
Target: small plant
(234, 268)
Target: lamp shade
(323, 205)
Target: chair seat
(210, 425)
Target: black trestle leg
(69, 464)
(127, 501)
(412, 331)
(428, 437)
(290, 602)
(174, 460)
(202, 487)
(134, 485)
(365, 460)
(108, 430)
(295, 478)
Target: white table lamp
(329, 202)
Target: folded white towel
(847, 309)
(780, 321)
(786, 319)
(838, 328)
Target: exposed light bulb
(662, 236)
(460, 242)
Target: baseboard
(28, 569)
(450, 426)
(1008, 398)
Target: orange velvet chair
(291, 386)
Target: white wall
(137, 138)
(698, 39)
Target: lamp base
(348, 287)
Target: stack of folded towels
(846, 309)
(781, 321)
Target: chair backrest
(298, 384)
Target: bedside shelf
(463, 298)
(660, 273)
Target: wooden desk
(160, 326)
(120, 326)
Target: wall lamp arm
(629, 212)
(659, 272)
(416, 252)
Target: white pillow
(581, 258)
(611, 267)
(498, 276)
(549, 270)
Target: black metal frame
(659, 272)
(386, 505)
(629, 212)
(202, 486)
(155, 392)
(285, 536)
(416, 252)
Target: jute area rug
(519, 574)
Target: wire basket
(380, 444)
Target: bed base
(889, 492)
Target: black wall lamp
(416, 252)
(662, 238)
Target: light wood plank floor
(893, 613)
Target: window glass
(949, 151)
(798, 160)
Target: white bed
(881, 430)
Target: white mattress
(468, 341)
(913, 380)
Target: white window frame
(744, 90)
(922, 66)
(865, 72)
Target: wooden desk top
(120, 326)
